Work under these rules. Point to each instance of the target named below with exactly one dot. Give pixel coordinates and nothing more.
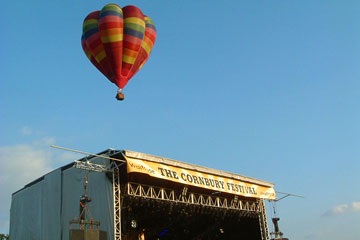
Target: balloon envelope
(118, 41)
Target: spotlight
(133, 224)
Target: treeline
(4, 237)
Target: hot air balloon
(118, 42)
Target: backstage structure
(132, 195)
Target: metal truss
(248, 208)
(116, 201)
(114, 169)
(264, 228)
(86, 164)
(151, 192)
(89, 166)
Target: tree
(4, 237)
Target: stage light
(133, 224)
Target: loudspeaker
(87, 234)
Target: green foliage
(4, 237)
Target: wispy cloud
(26, 130)
(318, 235)
(342, 209)
(356, 206)
(23, 163)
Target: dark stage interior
(172, 221)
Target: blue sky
(266, 89)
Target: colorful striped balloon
(92, 58)
(118, 41)
(91, 40)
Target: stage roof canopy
(197, 176)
